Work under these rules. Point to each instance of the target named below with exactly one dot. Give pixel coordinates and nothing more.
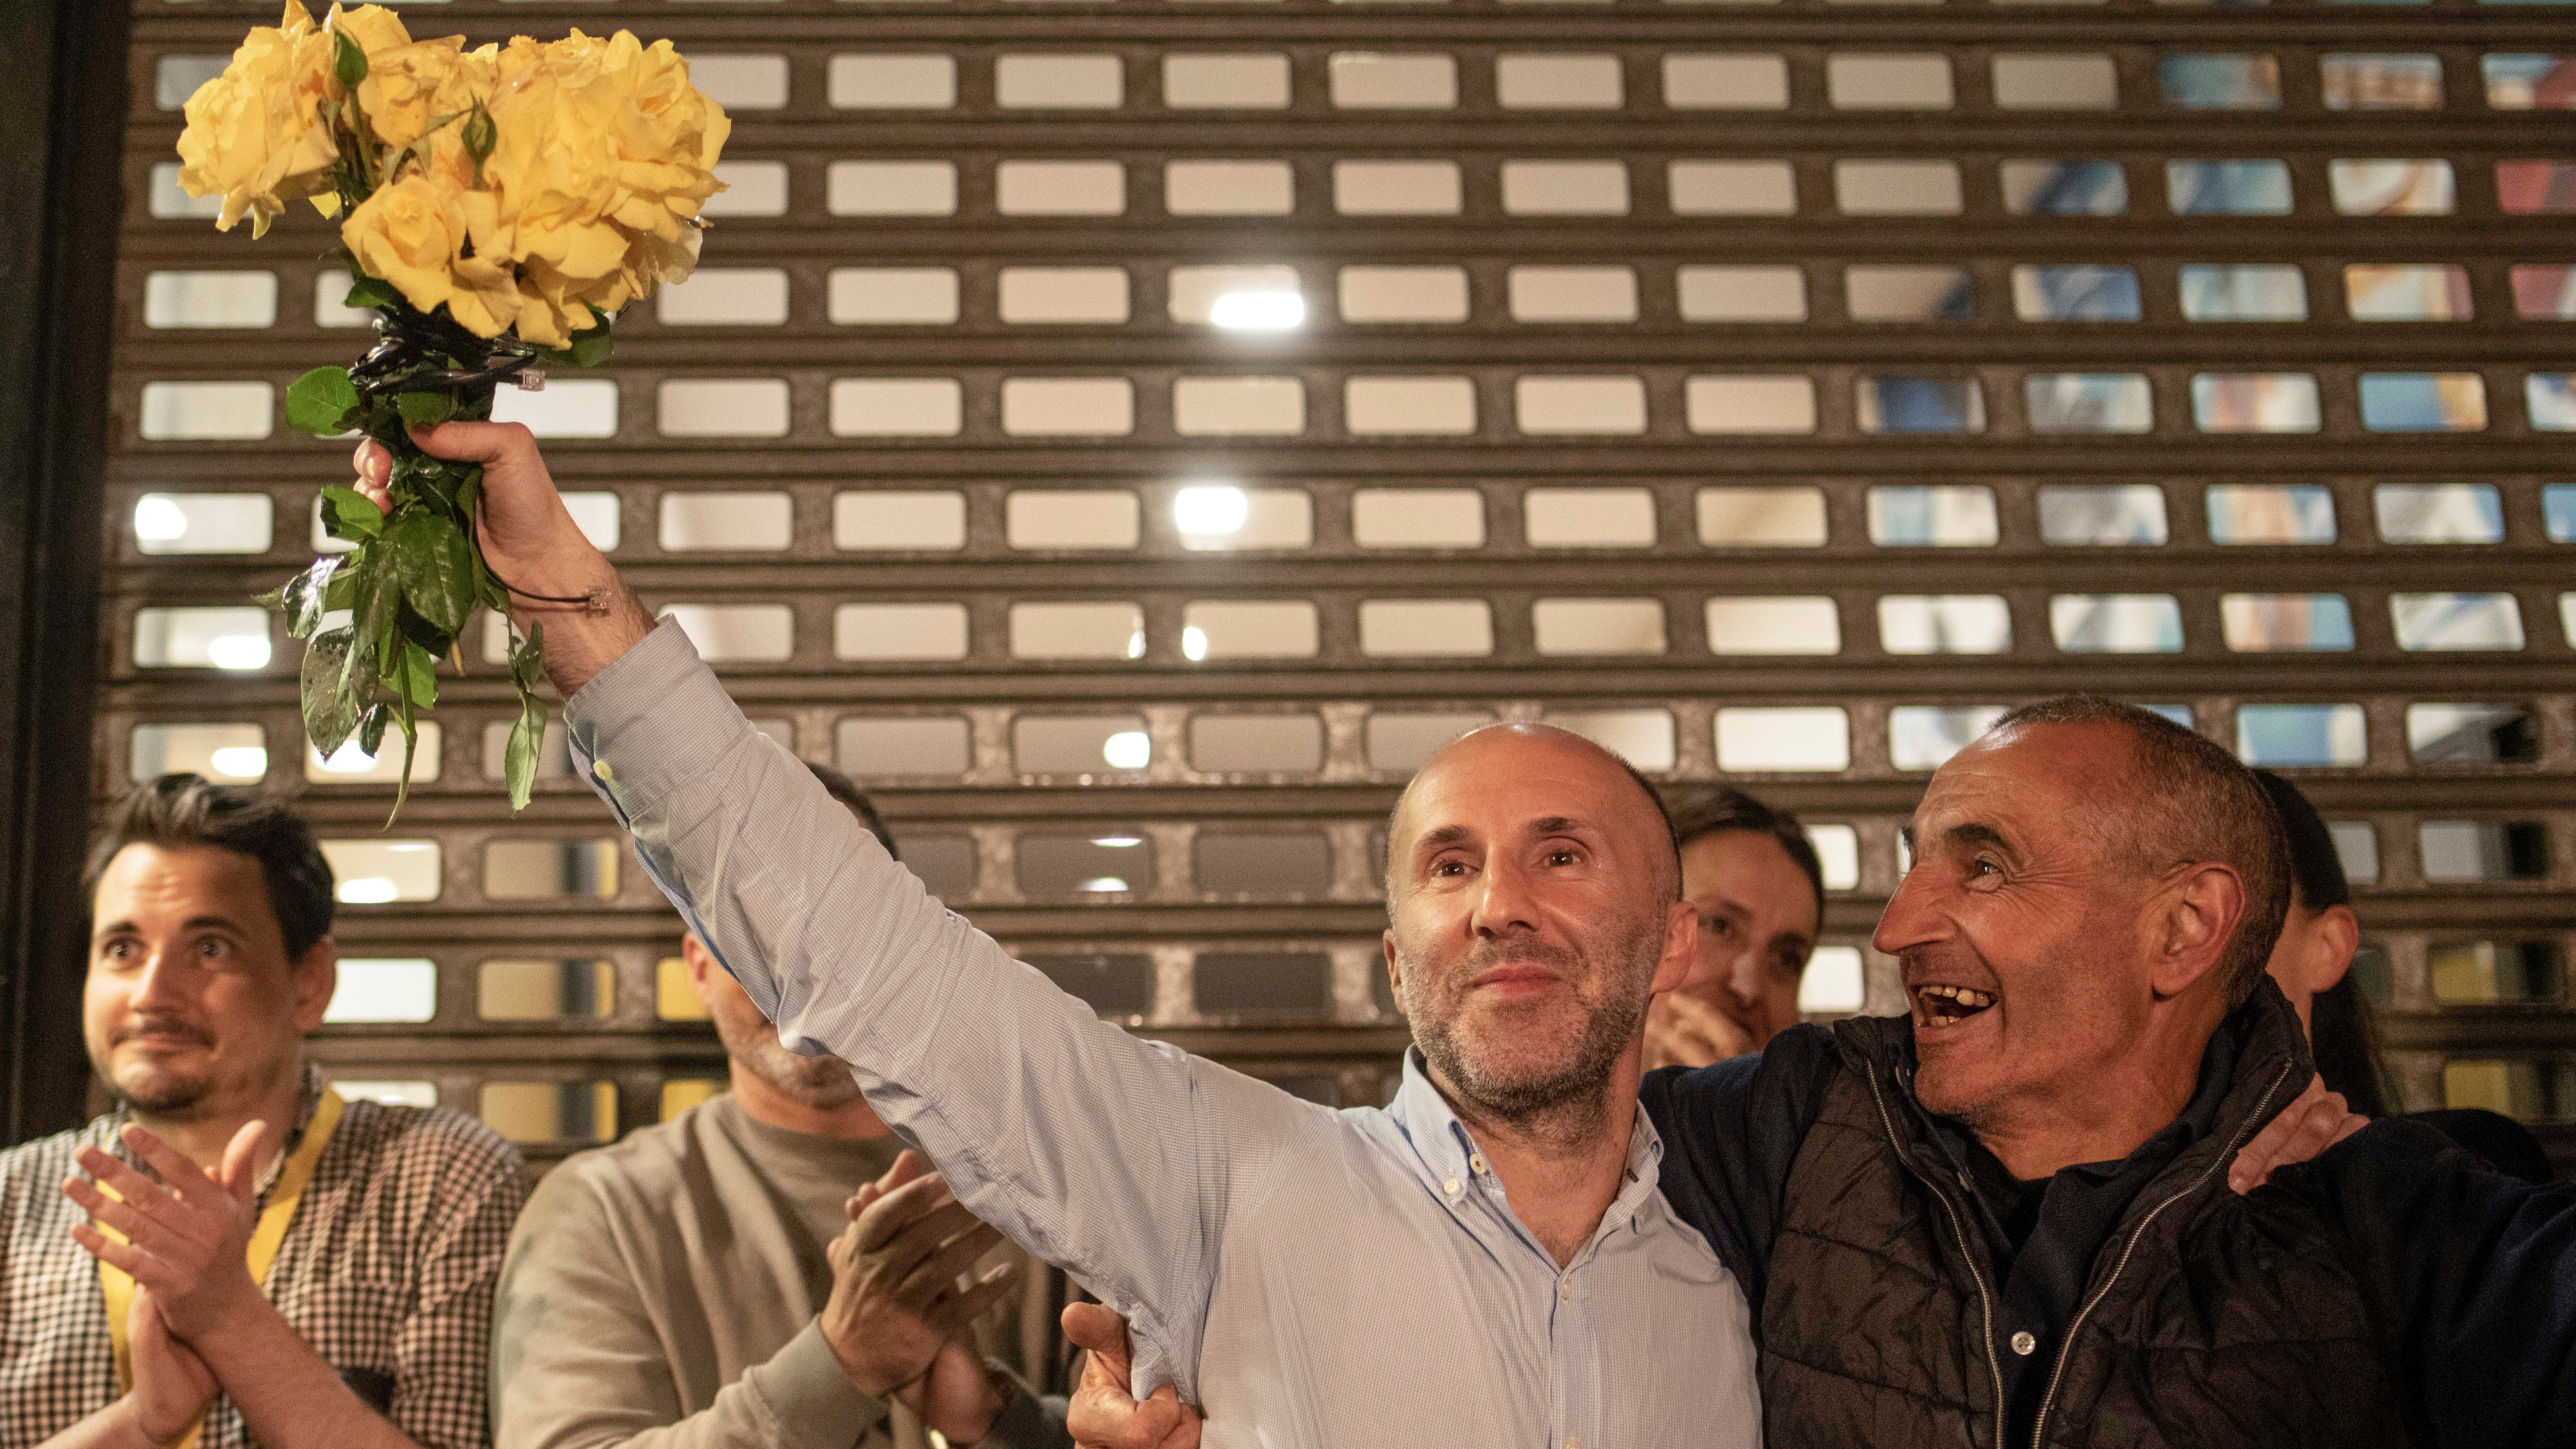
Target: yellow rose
(485, 301)
(408, 234)
(253, 133)
(409, 86)
(373, 26)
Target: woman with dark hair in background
(2312, 964)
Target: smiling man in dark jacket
(2005, 1218)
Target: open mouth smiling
(1937, 1006)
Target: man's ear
(2201, 910)
(317, 976)
(1394, 973)
(1681, 946)
(2338, 937)
(701, 964)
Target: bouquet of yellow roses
(497, 208)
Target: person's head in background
(2312, 962)
(1753, 875)
(776, 1086)
(210, 953)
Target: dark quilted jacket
(2209, 1320)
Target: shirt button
(1477, 1162)
(1573, 1444)
(1566, 1292)
(1453, 1187)
(600, 768)
(2024, 1344)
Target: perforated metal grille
(1128, 435)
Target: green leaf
(342, 592)
(302, 601)
(585, 349)
(527, 660)
(419, 682)
(348, 60)
(366, 291)
(320, 402)
(411, 742)
(330, 707)
(371, 728)
(425, 409)
(436, 568)
(378, 600)
(527, 738)
(480, 134)
(350, 514)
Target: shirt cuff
(805, 1395)
(650, 723)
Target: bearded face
(822, 1083)
(1533, 912)
(1524, 1027)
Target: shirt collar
(1446, 1152)
(308, 1100)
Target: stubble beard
(1558, 1101)
(823, 1083)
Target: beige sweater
(662, 1293)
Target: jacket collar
(2271, 1064)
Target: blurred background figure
(745, 1273)
(1754, 877)
(2312, 964)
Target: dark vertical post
(62, 127)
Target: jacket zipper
(1985, 1302)
(2039, 1424)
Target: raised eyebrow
(224, 923)
(1558, 825)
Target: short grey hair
(2190, 802)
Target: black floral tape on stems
(416, 574)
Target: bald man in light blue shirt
(1486, 1261)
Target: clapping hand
(901, 1305)
(187, 1237)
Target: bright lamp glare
(349, 759)
(1258, 311)
(1127, 750)
(1136, 645)
(1211, 509)
(1102, 883)
(241, 762)
(238, 651)
(1194, 643)
(158, 519)
(1118, 842)
(368, 890)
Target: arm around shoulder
(2479, 1271)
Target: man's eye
(1716, 926)
(1448, 867)
(1562, 857)
(214, 949)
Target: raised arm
(1105, 1154)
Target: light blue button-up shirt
(1309, 1276)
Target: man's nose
(163, 981)
(1503, 904)
(1913, 916)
